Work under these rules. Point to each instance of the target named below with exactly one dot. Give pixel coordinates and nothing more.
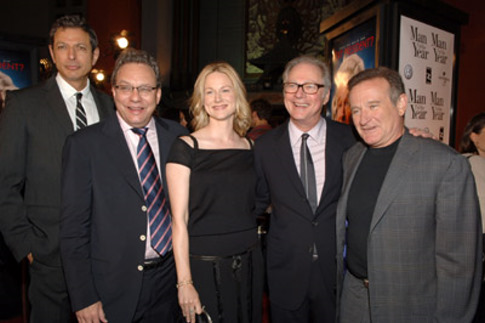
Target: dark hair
(476, 124)
(396, 85)
(262, 108)
(131, 55)
(73, 21)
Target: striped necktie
(81, 120)
(159, 219)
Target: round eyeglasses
(308, 88)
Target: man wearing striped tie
(116, 238)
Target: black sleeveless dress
(225, 256)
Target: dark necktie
(158, 211)
(307, 173)
(81, 120)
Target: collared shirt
(316, 144)
(69, 95)
(132, 140)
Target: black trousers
(318, 306)
(158, 300)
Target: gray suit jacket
(424, 245)
(33, 128)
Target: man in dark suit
(114, 268)
(33, 128)
(408, 217)
(301, 239)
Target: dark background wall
(184, 35)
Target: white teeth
(303, 105)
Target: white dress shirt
(69, 95)
(316, 144)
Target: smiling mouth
(300, 105)
(136, 109)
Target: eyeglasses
(143, 90)
(308, 88)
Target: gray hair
(324, 70)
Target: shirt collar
(316, 133)
(126, 127)
(67, 90)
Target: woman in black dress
(211, 181)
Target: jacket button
(144, 208)
(140, 268)
(315, 223)
(143, 237)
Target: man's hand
(417, 132)
(30, 258)
(92, 314)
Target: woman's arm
(178, 177)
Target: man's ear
(95, 55)
(51, 51)
(402, 103)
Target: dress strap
(250, 143)
(196, 143)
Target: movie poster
(352, 52)
(426, 64)
(15, 71)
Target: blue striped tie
(158, 209)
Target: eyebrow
(373, 102)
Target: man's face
(378, 121)
(136, 107)
(73, 55)
(305, 109)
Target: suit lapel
(119, 153)
(331, 158)
(58, 106)
(401, 164)
(163, 139)
(287, 160)
(352, 163)
(102, 109)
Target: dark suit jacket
(104, 219)
(33, 128)
(294, 229)
(424, 244)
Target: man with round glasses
(116, 224)
(299, 167)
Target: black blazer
(104, 222)
(33, 128)
(294, 229)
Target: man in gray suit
(33, 128)
(408, 218)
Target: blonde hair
(242, 117)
